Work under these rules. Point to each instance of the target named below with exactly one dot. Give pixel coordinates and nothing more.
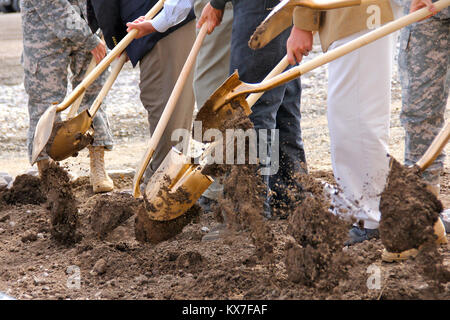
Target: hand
(211, 16)
(143, 26)
(298, 45)
(99, 52)
(419, 4)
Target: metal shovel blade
(217, 110)
(43, 131)
(69, 137)
(280, 18)
(174, 187)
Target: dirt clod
(111, 210)
(62, 205)
(408, 210)
(26, 189)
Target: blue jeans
(278, 108)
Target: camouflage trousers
(423, 63)
(46, 81)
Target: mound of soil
(152, 231)
(62, 205)
(314, 252)
(408, 209)
(26, 189)
(111, 210)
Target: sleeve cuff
(92, 42)
(160, 23)
(217, 4)
(306, 19)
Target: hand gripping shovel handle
(338, 52)
(101, 67)
(168, 110)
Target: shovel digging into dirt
(175, 187)
(44, 127)
(224, 102)
(179, 181)
(73, 135)
(168, 110)
(409, 210)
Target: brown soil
(26, 189)
(62, 205)
(34, 266)
(408, 210)
(314, 254)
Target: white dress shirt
(174, 12)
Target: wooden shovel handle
(435, 149)
(106, 61)
(279, 68)
(108, 84)
(168, 109)
(337, 53)
(76, 105)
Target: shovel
(168, 110)
(280, 18)
(178, 183)
(44, 127)
(223, 102)
(72, 135)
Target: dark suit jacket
(111, 16)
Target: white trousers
(359, 97)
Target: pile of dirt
(110, 210)
(152, 231)
(314, 255)
(62, 204)
(408, 209)
(26, 189)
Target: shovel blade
(174, 187)
(69, 137)
(217, 110)
(43, 132)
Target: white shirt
(174, 12)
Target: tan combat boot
(439, 231)
(42, 166)
(100, 180)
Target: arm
(62, 19)
(300, 41)
(173, 12)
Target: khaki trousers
(159, 71)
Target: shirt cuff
(92, 42)
(218, 4)
(160, 23)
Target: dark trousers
(278, 108)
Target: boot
(439, 231)
(42, 166)
(99, 179)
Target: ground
(116, 266)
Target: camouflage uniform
(56, 36)
(423, 63)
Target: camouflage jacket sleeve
(66, 23)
